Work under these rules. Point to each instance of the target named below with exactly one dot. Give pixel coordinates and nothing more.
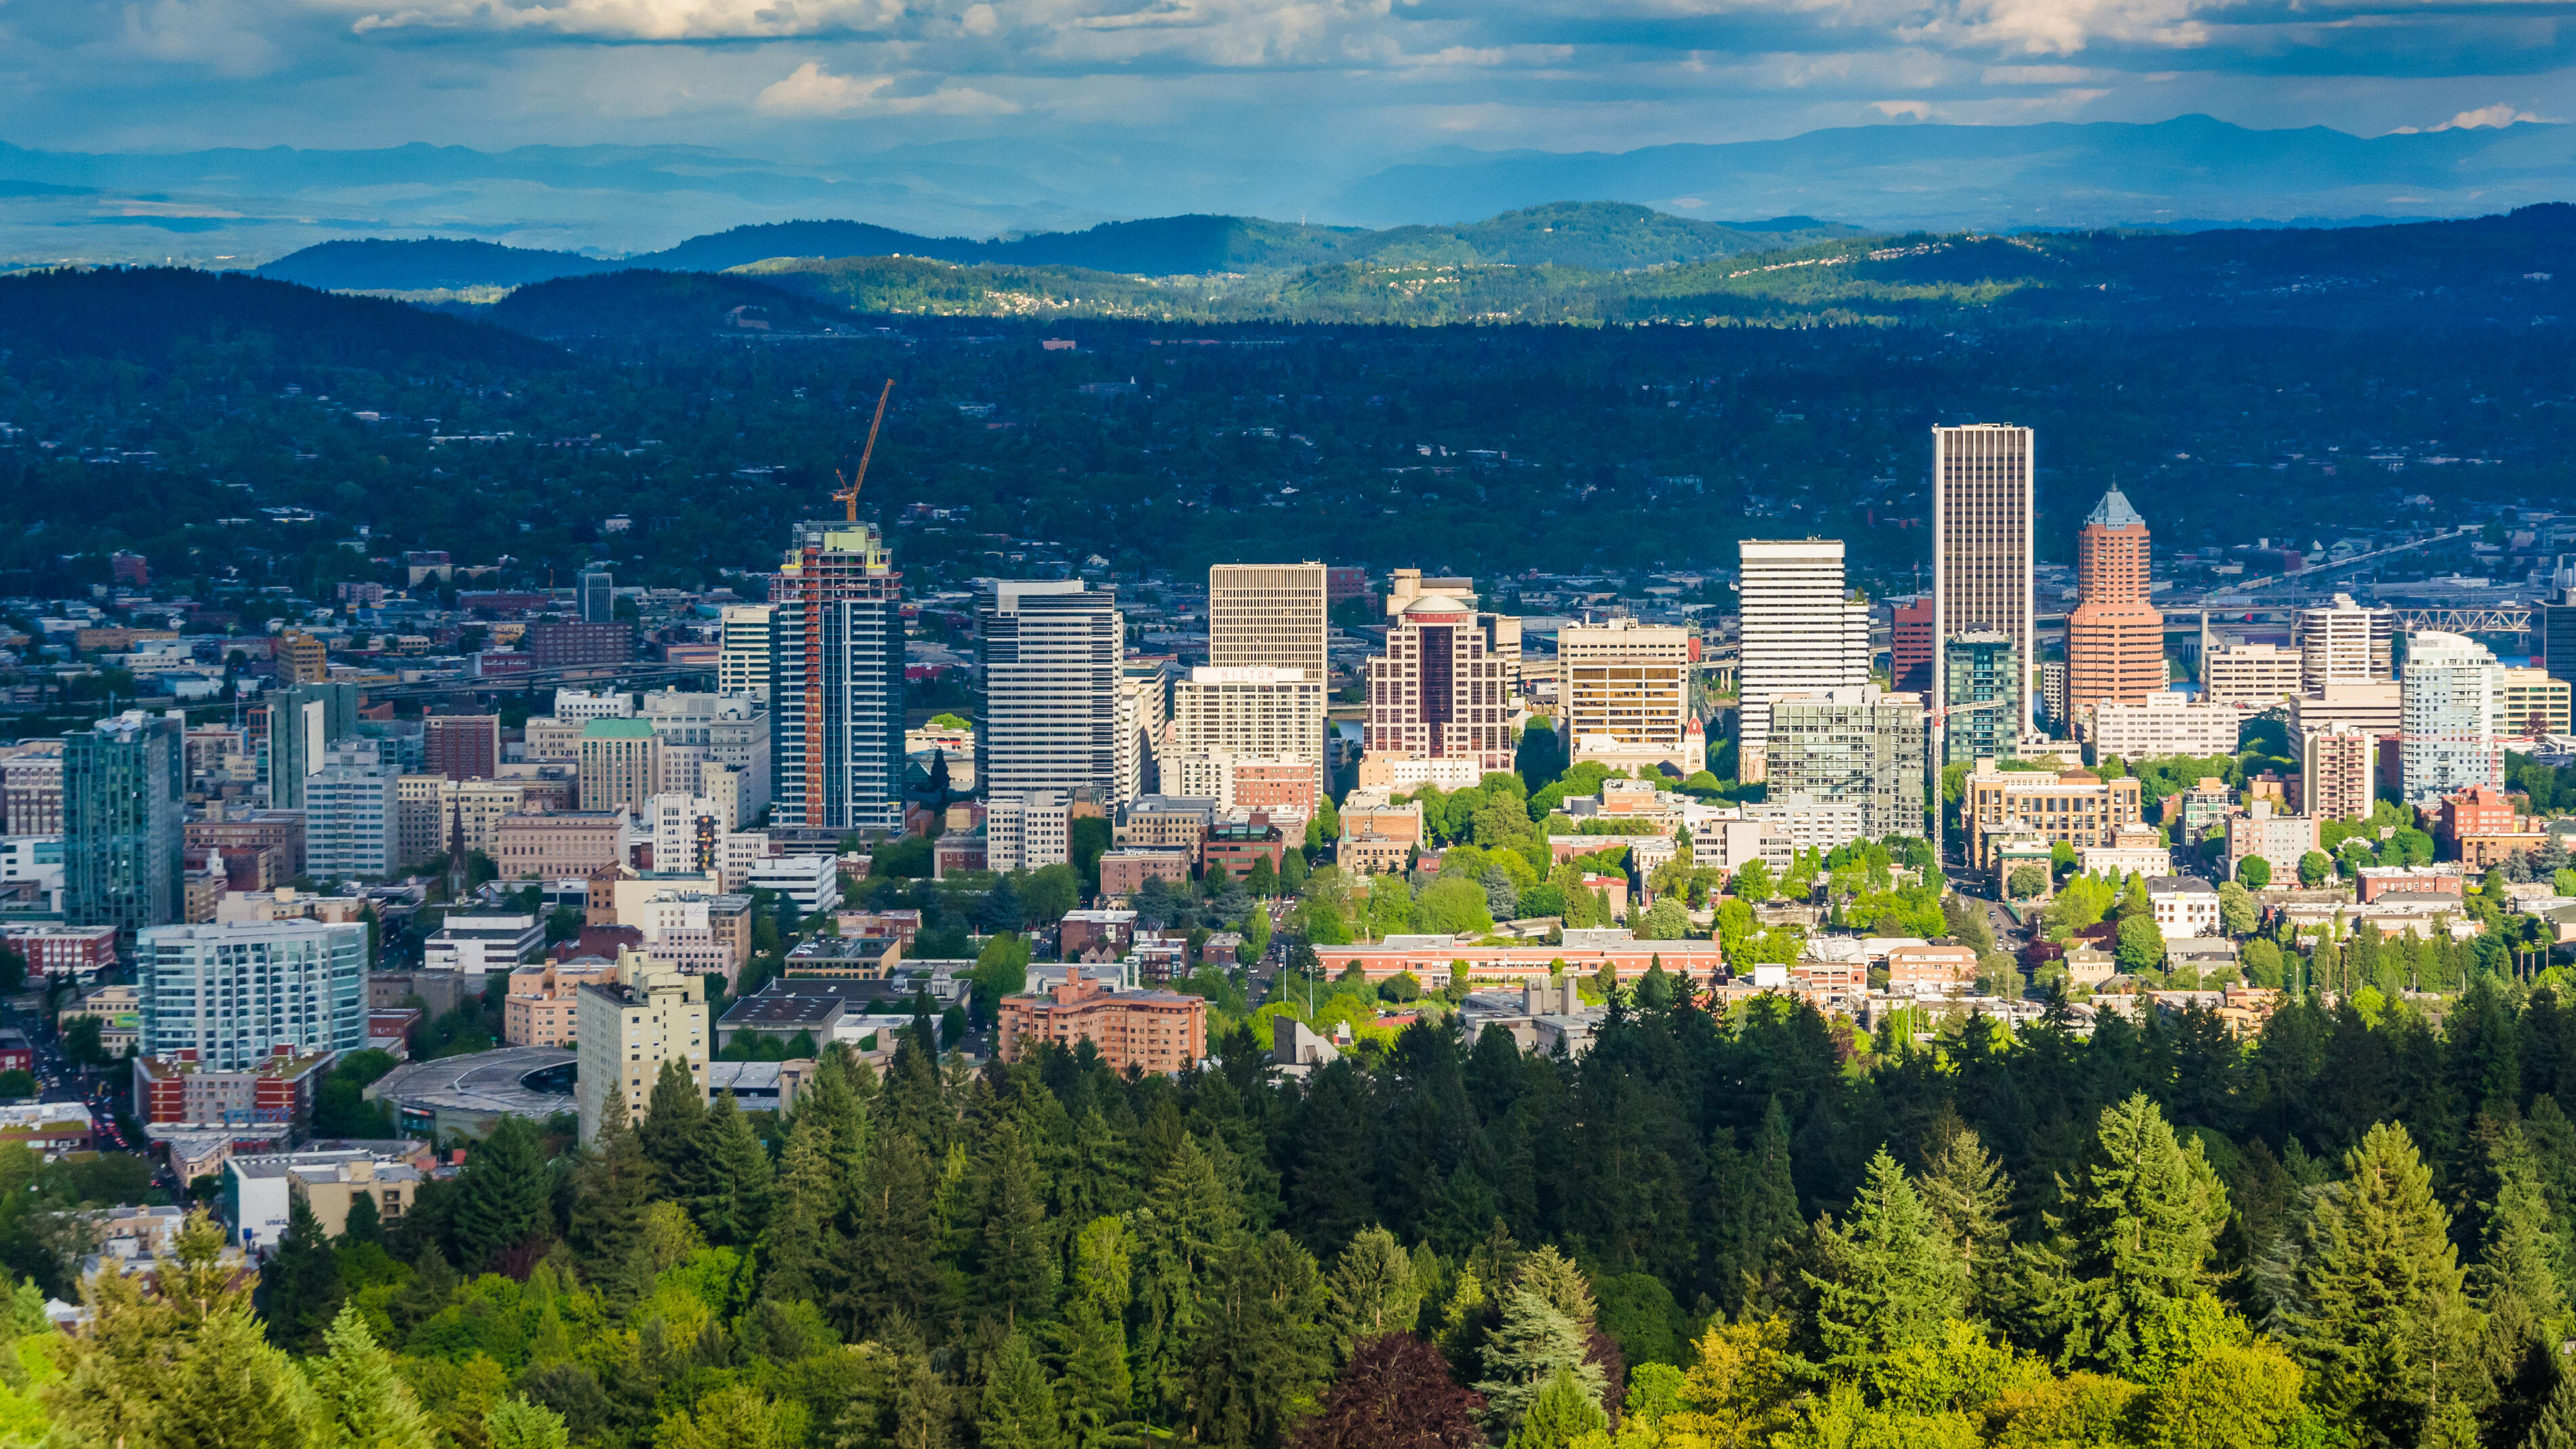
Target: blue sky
(1274, 84)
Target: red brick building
(1155, 1031)
(1232, 847)
(277, 1091)
(461, 746)
(58, 950)
(2478, 810)
(571, 643)
(1910, 652)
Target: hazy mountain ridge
(1598, 236)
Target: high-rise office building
(1981, 669)
(1502, 631)
(1981, 538)
(1800, 632)
(836, 757)
(1249, 711)
(628, 1027)
(352, 812)
(1623, 694)
(1144, 706)
(301, 658)
(124, 789)
(1441, 690)
(1853, 745)
(621, 764)
(302, 723)
(1909, 654)
(2447, 698)
(2115, 639)
(31, 788)
(228, 996)
(743, 650)
(461, 746)
(2345, 643)
(598, 597)
(1049, 654)
(1273, 616)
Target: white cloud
(627, 19)
(811, 90)
(2499, 114)
(2064, 27)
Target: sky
(1326, 84)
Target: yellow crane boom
(849, 493)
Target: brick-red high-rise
(2115, 639)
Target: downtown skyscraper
(836, 609)
(1981, 542)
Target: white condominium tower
(2345, 644)
(1624, 689)
(1800, 635)
(1273, 616)
(2448, 712)
(1049, 654)
(1981, 541)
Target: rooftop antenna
(849, 493)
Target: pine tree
(610, 1189)
(2386, 1329)
(1016, 1262)
(1261, 1349)
(2131, 1255)
(1560, 1284)
(1886, 1280)
(1190, 1215)
(1018, 1409)
(501, 1194)
(364, 1225)
(2518, 1274)
(1967, 1195)
(1561, 1413)
(891, 1266)
(1373, 1290)
(1534, 1343)
(671, 1133)
(300, 1288)
(514, 1423)
(812, 1194)
(236, 1391)
(364, 1402)
(1097, 1391)
(2556, 1428)
(733, 1205)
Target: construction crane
(849, 493)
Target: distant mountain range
(1602, 236)
(245, 207)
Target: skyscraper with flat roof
(1981, 539)
(1272, 616)
(836, 611)
(1048, 654)
(124, 784)
(1799, 633)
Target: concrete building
(1502, 631)
(1026, 829)
(301, 658)
(2344, 643)
(579, 644)
(2162, 724)
(628, 1026)
(563, 845)
(2250, 676)
(352, 812)
(2115, 639)
(837, 695)
(1623, 695)
(2530, 702)
(1855, 744)
(2338, 773)
(2184, 906)
(2448, 701)
(2073, 806)
(1442, 690)
(461, 746)
(578, 707)
(1273, 617)
(1048, 655)
(2280, 839)
(1254, 711)
(744, 648)
(544, 1005)
(712, 744)
(1981, 537)
(478, 943)
(1163, 822)
(467, 1096)
(31, 788)
(1159, 1032)
(1800, 632)
(1981, 669)
(1144, 710)
(302, 724)
(621, 764)
(261, 1188)
(689, 830)
(2138, 850)
(596, 593)
(1253, 782)
(229, 997)
(124, 788)
(2377, 710)
(811, 882)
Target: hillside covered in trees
(1737, 1229)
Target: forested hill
(145, 312)
(1597, 235)
(1755, 1227)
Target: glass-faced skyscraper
(124, 787)
(837, 704)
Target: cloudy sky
(1332, 80)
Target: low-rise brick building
(1154, 1031)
